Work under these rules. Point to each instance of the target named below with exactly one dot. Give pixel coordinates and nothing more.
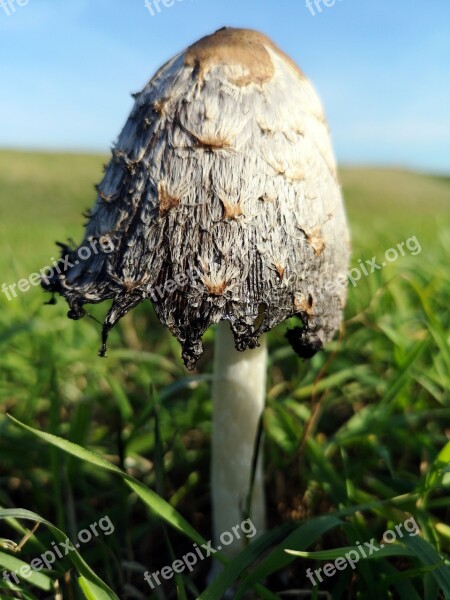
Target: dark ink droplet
(52, 300)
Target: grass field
(356, 440)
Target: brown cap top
(244, 47)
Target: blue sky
(382, 68)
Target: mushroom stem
(239, 390)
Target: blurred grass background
(362, 422)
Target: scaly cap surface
(221, 201)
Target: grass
(356, 440)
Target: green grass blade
(148, 496)
(86, 577)
(394, 550)
(13, 564)
(302, 537)
(235, 568)
(428, 556)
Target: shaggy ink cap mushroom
(221, 202)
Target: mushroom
(221, 204)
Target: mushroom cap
(221, 201)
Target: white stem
(239, 390)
